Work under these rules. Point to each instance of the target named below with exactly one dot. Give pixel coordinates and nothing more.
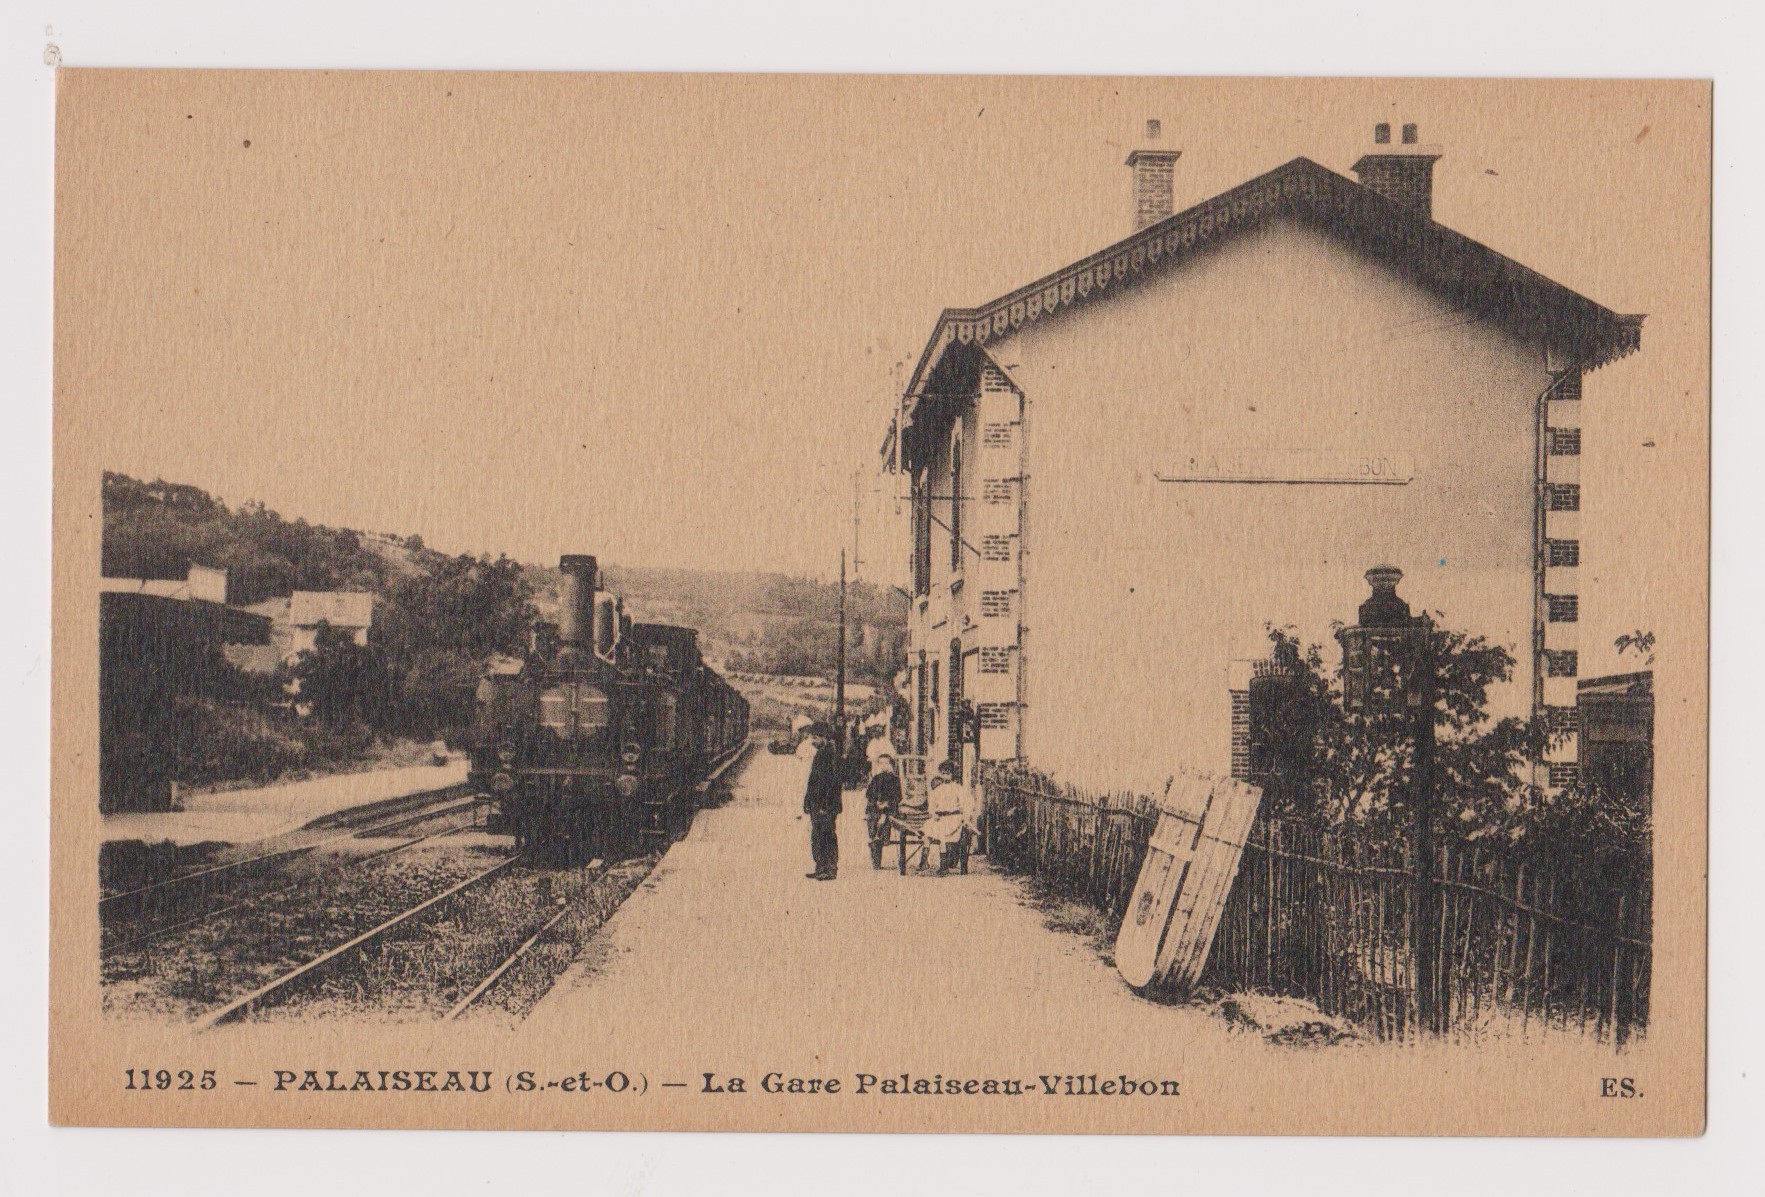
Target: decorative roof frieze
(1434, 255)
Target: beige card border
(1417, 1092)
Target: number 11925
(165, 1078)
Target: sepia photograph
(868, 602)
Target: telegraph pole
(857, 524)
(839, 685)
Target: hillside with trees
(437, 619)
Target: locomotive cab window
(572, 710)
(554, 708)
(593, 711)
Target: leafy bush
(1323, 766)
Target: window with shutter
(922, 534)
(919, 732)
(954, 722)
(956, 502)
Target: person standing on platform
(822, 803)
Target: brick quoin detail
(995, 383)
(1563, 552)
(995, 716)
(1562, 496)
(1565, 442)
(995, 547)
(1562, 719)
(1564, 773)
(1241, 735)
(996, 436)
(995, 659)
(995, 603)
(996, 490)
(1561, 662)
(1564, 608)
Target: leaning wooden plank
(1150, 909)
(1220, 851)
(1202, 889)
(1194, 884)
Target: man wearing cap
(822, 803)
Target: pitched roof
(1449, 263)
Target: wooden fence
(1526, 946)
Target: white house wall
(1279, 340)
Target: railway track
(168, 892)
(283, 986)
(215, 912)
(457, 928)
(514, 958)
(239, 1006)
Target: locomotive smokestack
(576, 592)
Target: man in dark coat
(882, 802)
(822, 803)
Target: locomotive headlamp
(505, 752)
(626, 785)
(630, 754)
(502, 783)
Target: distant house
(199, 582)
(295, 619)
(1618, 734)
(158, 641)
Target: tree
(437, 627)
(1324, 766)
(1639, 642)
(343, 682)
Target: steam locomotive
(600, 742)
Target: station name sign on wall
(1291, 466)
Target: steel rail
(238, 1006)
(496, 975)
(196, 921)
(357, 833)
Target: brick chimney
(1403, 173)
(1153, 168)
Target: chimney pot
(1153, 180)
(1403, 174)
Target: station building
(1122, 473)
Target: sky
(665, 318)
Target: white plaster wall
(1139, 593)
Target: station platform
(727, 948)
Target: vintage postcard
(869, 603)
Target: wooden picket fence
(1527, 947)
(1088, 845)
